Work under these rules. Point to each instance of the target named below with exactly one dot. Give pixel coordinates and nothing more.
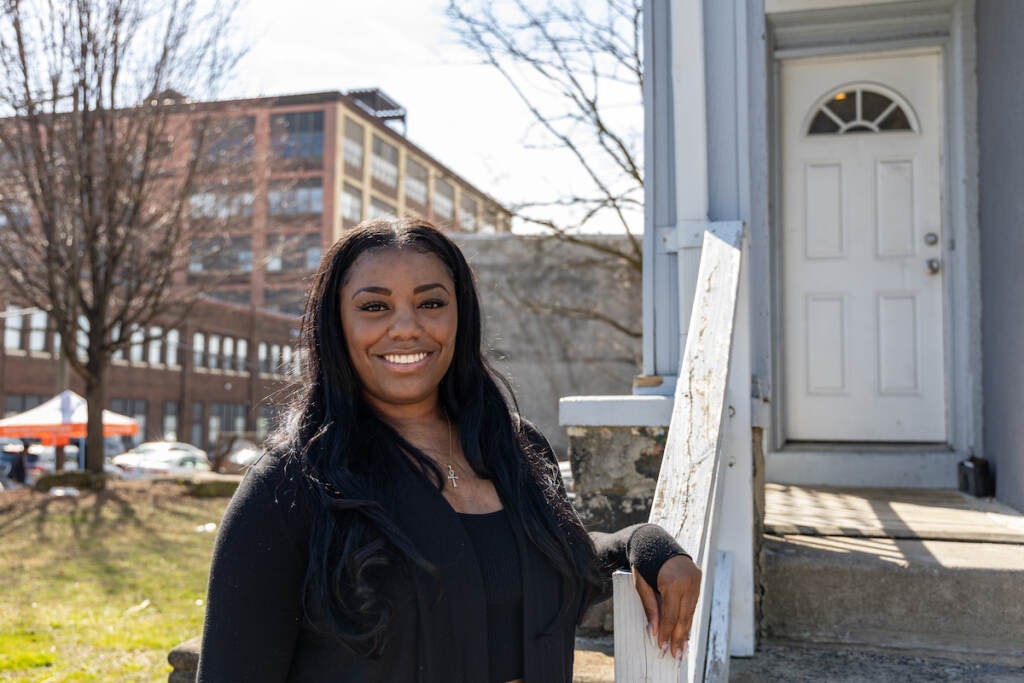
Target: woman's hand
(670, 609)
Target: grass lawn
(101, 587)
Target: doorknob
(934, 266)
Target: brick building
(227, 368)
(305, 167)
(292, 173)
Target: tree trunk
(58, 458)
(96, 399)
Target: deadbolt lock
(931, 239)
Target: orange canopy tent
(61, 419)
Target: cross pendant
(452, 477)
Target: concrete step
(926, 569)
(950, 597)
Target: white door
(862, 249)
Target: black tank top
(496, 550)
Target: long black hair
(344, 449)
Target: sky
(461, 112)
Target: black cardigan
(255, 631)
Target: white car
(156, 458)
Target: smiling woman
(399, 317)
(409, 524)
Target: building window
(115, 335)
(242, 355)
(444, 200)
(229, 418)
(301, 197)
(274, 258)
(275, 359)
(225, 140)
(467, 213)
(380, 209)
(221, 203)
(351, 203)
(135, 408)
(154, 350)
(82, 336)
(313, 255)
(197, 425)
(384, 163)
(490, 223)
(228, 353)
(213, 425)
(13, 322)
(294, 252)
(352, 145)
(37, 331)
(415, 181)
(299, 136)
(171, 347)
(198, 349)
(264, 360)
(137, 350)
(170, 421)
(19, 403)
(14, 215)
(213, 351)
(231, 254)
(860, 110)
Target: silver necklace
(452, 477)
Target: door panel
(862, 317)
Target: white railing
(706, 461)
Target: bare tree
(577, 68)
(100, 156)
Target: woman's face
(399, 316)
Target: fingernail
(664, 649)
(681, 654)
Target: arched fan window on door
(861, 109)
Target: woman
(408, 525)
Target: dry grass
(101, 587)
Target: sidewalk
(790, 663)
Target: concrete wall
(1000, 25)
(546, 354)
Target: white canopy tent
(63, 418)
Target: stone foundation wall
(615, 471)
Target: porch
(871, 584)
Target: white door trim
(961, 251)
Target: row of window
(233, 253)
(159, 347)
(299, 137)
(303, 197)
(231, 140)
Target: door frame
(869, 28)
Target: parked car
(42, 460)
(155, 458)
(243, 454)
